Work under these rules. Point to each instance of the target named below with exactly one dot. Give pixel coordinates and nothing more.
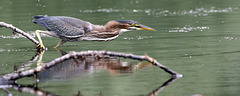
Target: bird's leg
(60, 51)
(39, 61)
(40, 45)
(60, 43)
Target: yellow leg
(60, 43)
(39, 61)
(40, 45)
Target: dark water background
(197, 38)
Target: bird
(70, 29)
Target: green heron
(71, 29)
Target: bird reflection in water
(89, 64)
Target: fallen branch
(15, 76)
(17, 30)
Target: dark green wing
(65, 26)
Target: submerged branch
(7, 91)
(18, 75)
(17, 30)
(160, 88)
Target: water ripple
(163, 12)
(230, 38)
(14, 50)
(188, 28)
(139, 37)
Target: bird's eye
(135, 25)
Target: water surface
(199, 39)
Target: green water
(197, 38)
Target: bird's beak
(143, 27)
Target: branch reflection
(160, 88)
(33, 89)
(79, 66)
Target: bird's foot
(40, 48)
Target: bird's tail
(40, 16)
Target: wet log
(31, 89)
(17, 30)
(18, 75)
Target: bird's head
(126, 25)
(133, 25)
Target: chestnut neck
(111, 26)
